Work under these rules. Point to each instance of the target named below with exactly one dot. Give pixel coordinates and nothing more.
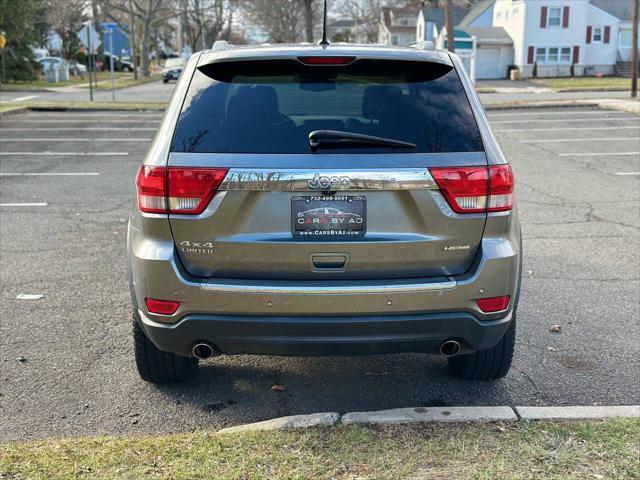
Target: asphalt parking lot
(66, 363)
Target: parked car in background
(125, 65)
(76, 68)
(55, 69)
(39, 53)
(172, 69)
(119, 65)
(47, 63)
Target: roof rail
(423, 45)
(221, 45)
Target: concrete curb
(624, 105)
(578, 412)
(399, 416)
(14, 111)
(295, 421)
(432, 414)
(541, 104)
(621, 104)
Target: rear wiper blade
(334, 138)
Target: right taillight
(501, 185)
(179, 190)
(476, 189)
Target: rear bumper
(323, 317)
(316, 336)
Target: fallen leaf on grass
(276, 387)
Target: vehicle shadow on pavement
(248, 388)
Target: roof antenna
(324, 40)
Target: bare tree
(308, 19)
(281, 20)
(365, 15)
(132, 40)
(64, 17)
(205, 21)
(151, 15)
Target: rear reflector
(161, 307)
(322, 60)
(476, 189)
(493, 304)
(179, 190)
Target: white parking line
(610, 154)
(51, 174)
(84, 120)
(77, 114)
(553, 140)
(626, 118)
(66, 154)
(570, 112)
(22, 99)
(564, 129)
(627, 173)
(80, 129)
(23, 204)
(124, 139)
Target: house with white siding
(547, 38)
(554, 38)
(397, 26)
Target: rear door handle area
(328, 261)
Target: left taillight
(179, 190)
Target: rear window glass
(273, 110)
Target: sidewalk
(509, 87)
(622, 104)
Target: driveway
(66, 358)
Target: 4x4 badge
(196, 247)
(328, 183)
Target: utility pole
(634, 46)
(448, 20)
(90, 61)
(132, 20)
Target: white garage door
(488, 63)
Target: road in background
(147, 92)
(159, 92)
(66, 359)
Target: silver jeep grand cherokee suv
(324, 200)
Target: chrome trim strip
(294, 180)
(319, 289)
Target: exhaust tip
(450, 348)
(202, 351)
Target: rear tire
(156, 366)
(489, 364)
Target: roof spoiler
(221, 45)
(423, 45)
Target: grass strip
(83, 105)
(537, 450)
(567, 84)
